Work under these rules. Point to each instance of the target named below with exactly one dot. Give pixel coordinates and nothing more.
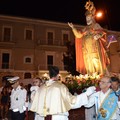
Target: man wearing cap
(53, 101)
(17, 99)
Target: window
(49, 61)
(28, 60)
(7, 34)
(50, 38)
(5, 60)
(28, 34)
(27, 75)
(65, 39)
(65, 36)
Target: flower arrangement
(77, 84)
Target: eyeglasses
(104, 82)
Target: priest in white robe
(54, 99)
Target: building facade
(29, 46)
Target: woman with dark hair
(4, 103)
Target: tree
(69, 59)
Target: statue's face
(89, 19)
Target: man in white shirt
(106, 101)
(17, 99)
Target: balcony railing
(6, 66)
(43, 67)
(57, 43)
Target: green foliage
(69, 59)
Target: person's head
(3, 83)
(37, 81)
(90, 13)
(54, 72)
(14, 81)
(5, 80)
(105, 83)
(115, 83)
(4, 90)
(90, 19)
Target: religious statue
(91, 45)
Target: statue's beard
(89, 22)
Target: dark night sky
(63, 10)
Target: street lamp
(99, 14)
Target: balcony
(44, 67)
(6, 67)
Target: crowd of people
(16, 99)
(51, 100)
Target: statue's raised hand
(71, 25)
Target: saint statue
(91, 45)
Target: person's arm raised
(77, 33)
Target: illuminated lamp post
(99, 14)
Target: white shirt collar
(49, 82)
(19, 87)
